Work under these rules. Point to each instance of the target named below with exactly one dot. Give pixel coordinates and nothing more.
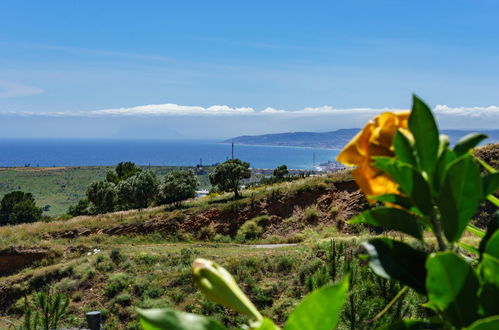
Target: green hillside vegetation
(56, 188)
(141, 258)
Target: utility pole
(232, 150)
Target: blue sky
(214, 69)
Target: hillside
(332, 140)
(56, 188)
(140, 258)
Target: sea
(91, 152)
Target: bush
(250, 230)
(311, 215)
(116, 283)
(116, 256)
(124, 299)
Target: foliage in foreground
(425, 185)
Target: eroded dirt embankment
(344, 197)
(13, 259)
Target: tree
(227, 175)
(82, 208)
(138, 191)
(19, 207)
(122, 171)
(280, 173)
(103, 196)
(178, 186)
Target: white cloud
(170, 109)
(475, 112)
(14, 89)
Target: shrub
(116, 283)
(250, 230)
(285, 264)
(311, 215)
(124, 299)
(116, 256)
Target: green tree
(19, 207)
(280, 173)
(122, 171)
(138, 191)
(227, 175)
(178, 186)
(82, 208)
(102, 195)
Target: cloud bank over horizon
(171, 109)
(174, 121)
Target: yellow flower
(375, 139)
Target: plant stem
(437, 229)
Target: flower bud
(219, 286)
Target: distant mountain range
(334, 139)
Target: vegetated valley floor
(141, 258)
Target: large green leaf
(393, 259)
(489, 293)
(445, 159)
(489, 323)
(410, 181)
(404, 149)
(320, 310)
(391, 218)
(452, 288)
(168, 319)
(490, 183)
(424, 129)
(412, 325)
(468, 142)
(492, 228)
(459, 197)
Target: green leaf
(396, 199)
(404, 149)
(162, 319)
(492, 227)
(469, 248)
(492, 246)
(475, 230)
(320, 310)
(468, 142)
(485, 165)
(393, 259)
(445, 159)
(391, 218)
(412, 325)
(443, 143)
(410, 181)
(490, 183)
(424, 129)
(493, 199)
(266, 324)
(489, 271)
(489, 323)
(452, 288)
(459, 197)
